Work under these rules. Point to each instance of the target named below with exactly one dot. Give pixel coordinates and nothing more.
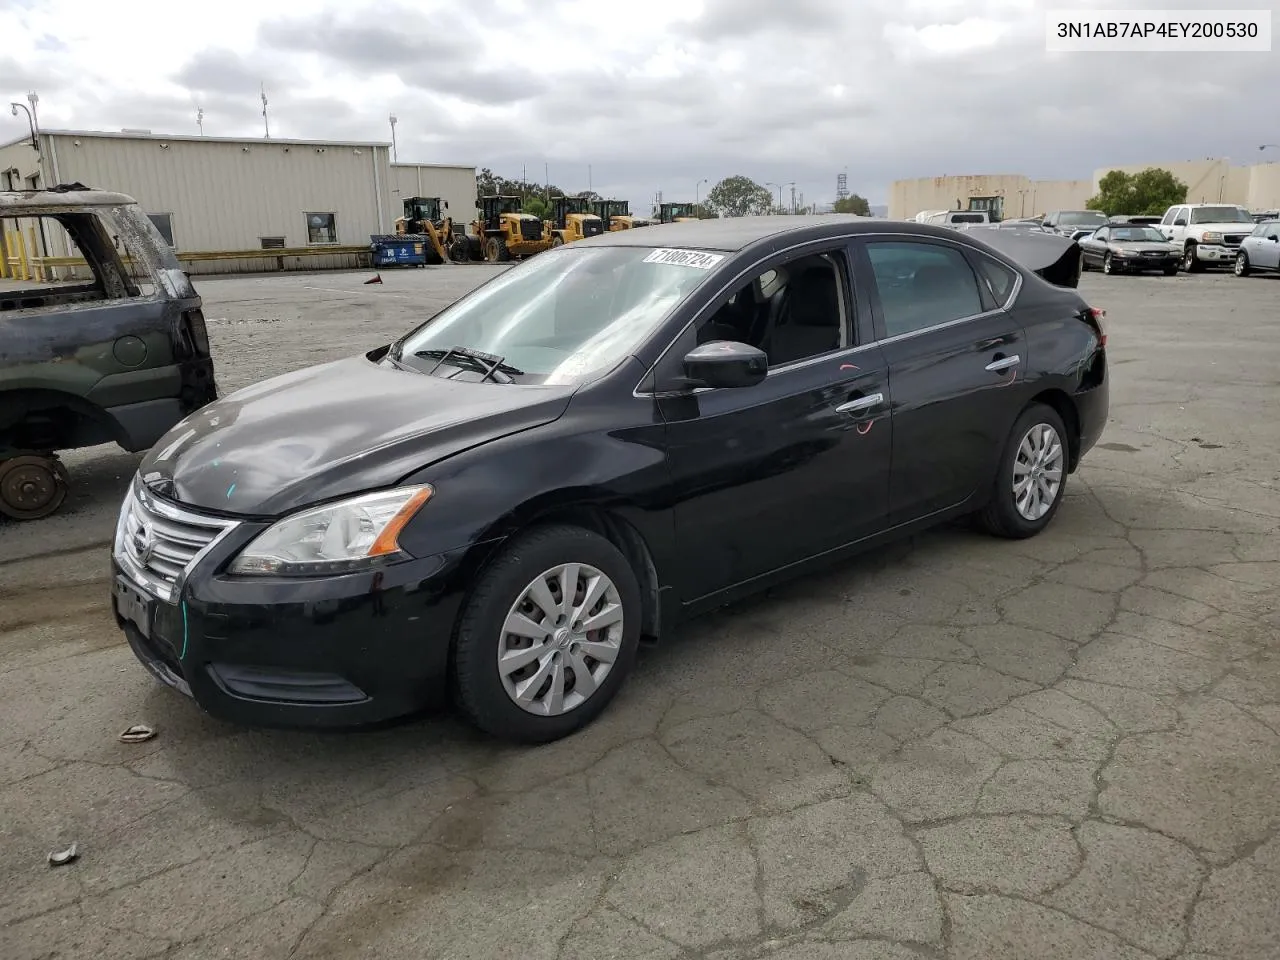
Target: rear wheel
(32, 487)
(548, 635)
(495, 250)
(1031, 477)
(557, 241)
(1242, 264)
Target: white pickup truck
(1207, 232)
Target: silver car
(1121, 248)
(1260, 250)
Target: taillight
(1095, 317)
(193, 322)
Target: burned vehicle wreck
(102, 337)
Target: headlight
(339, 537)
(1211, 237)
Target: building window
(321, 228)
(163, 222)
(9, 182)
(33, 182)
(272, 243)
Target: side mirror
(1180, 222)
(725, 363)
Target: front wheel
(1242, 264)
(1108, 266)
(1031, 478)
(1190, 262)
(548, 635)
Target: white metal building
(231, 194)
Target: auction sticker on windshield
(685, 258)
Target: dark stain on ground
(1118, 447)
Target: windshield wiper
(492, 367)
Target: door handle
(859, 404)
(1004, 363)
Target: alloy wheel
(560, 639)
(1242, 264)
(1037, 471)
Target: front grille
(156, 541)
(593, 228)
(1233, 239)
(531, 229)
(1156, 253)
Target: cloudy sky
(650, 94)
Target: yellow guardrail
(18, 263)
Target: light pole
(395, 153)
(14, 107)
(697, 194)
(770, 183)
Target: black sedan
(592, 447)
(1117, 248)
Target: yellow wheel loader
(617, 215)
(571, 219)
(423, 218)
(677, 212)
(503, 232)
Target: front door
(952, 355)
(771, 475)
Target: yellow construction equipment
(503, 232)
(616, 215)
(677, 212)
(423, 217)
(571, 219)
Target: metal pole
(266, 124)
(31, 124)
(395, 153)
(589, 187)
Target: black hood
(1054, 257)
(333, 430)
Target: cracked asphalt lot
(955, 747)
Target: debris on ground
(58, 857)
(138, 733)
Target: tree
(739, 196)
(1151, 192)
(853, 204)
(536, 205)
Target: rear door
(953, 356)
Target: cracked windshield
(541, 484)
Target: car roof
(59, 199)
(732, 234)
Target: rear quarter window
(1000, 279)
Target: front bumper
(1135, 262)
(336, 652)
(1215, 253)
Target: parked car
(1119, 248)
(1265, 215)
(1206, 232)
(1260, 251)
(591, 447)
(105, 351)
(1069, 222)
(1135, 221)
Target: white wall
(454, 184)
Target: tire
(1107, 265)
(1001, 516)
(1242, 264)
(496, 251)
(1190, 262)
(1171, 271)
(557, 241)
(500, 593)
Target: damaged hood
(331, 431)
(1053, 257)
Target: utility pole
(793, 199)
(395, 153)
(589, 189)
(200, 119)
(266, 124)
(546, 175)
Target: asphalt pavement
(955, 747)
